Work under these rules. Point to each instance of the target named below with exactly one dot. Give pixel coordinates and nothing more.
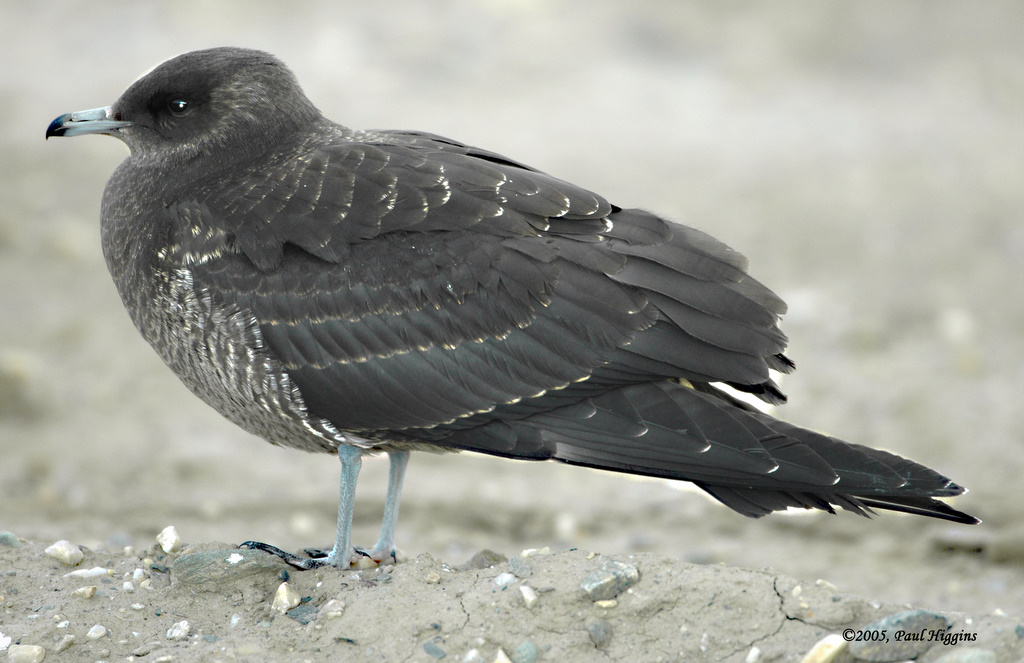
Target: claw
(302, 563)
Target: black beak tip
(58, 126)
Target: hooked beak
(92, 121)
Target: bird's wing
(414, 283)
(423, 291)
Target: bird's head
(230, 102)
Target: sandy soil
(868, 159)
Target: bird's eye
(178, 107)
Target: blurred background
(867, 157)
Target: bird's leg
(351, 462)
(384, 549)
(341, 555)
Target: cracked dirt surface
(425, 609)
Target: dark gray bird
(356, 292)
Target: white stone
(168, 539)
(331, 610)
(94, 572)
(826, 650)
(285, 599)
(65, 552)
(96, 632)
(85, 592)
(179, 631)
(504, 580)
(25, 654)
(529, 595)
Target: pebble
(9, 539)
(96, 632)
(826, 650)
(519, 567)
(94, 572)
(912, 622)
(533, 552)
(433, 577)
(600, 633)
(209, 570)
(332, 609)
(968, 655)
(25, 654)
(526, 652)
(502, 657)
(85, 592)
(63, 643)
(65, 552)
(753, 656)
(168, 539)
(285, 599)
(504, 580)
(473, 656)
(529, 595)
(611, 580)
(433, 650)
(484, 559)
(179, 631)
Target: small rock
(433, 577)
(533, 552)
(168, 539)
(127, 587)
(502, 657)
(753, 656)
(529, 595)
(504, 580)
(826, 650)
(820, 582)
(433, 650)
(285, 599)
(179, 631)
(519, 567)
(473, 656)
(606, 604)
(96, 632)
(484, 559)
(63, 643)
(85, 592)
(25, 654)
(9, 539)
(94, 572)
(65, 552)
(332, 609)
(526, 652)
(912, 623)
(611, 580)
(600, 633)
(210, 570)
(968, 655)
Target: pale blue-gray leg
(385, 546)
(351, 462)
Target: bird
(361, 292)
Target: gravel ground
(868, 158)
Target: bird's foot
(386, 555)
(314, 561)
(317, 558)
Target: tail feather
(747, 460)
